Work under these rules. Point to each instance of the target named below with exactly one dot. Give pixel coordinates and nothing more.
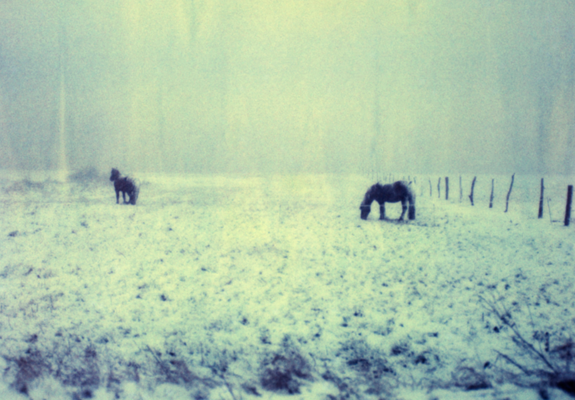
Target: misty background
(259, 86)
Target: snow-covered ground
(223, 287)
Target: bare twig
(519, 340)
(533, 327)
(512, 361)
(228, 386)
(158, 360)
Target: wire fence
(501, 193)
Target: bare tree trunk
(541, 200)
(472, 187)
(509, 193)
(568, 206)
(491, 197)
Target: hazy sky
(468, 86)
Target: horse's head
(115, 174)
(365, 209)
(365, 205)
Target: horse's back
(124, 184)
(401, 188)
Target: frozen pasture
(228, 287)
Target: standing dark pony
(391, 193)
(124, 185)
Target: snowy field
(222, 287)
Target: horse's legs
(382, 211)
(411, 214)
(133, 197)
(403, 209)
(117, 196)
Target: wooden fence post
(568, 206)
(541, 200)
(472, 186)
(509, 193)
(446, 188)
(491, 197)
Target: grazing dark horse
(124, 185)
(391, 193)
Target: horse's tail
(411, 199)
(134, 199)
(136, 191)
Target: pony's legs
(403, 209)
(382, 211)
(133, 196)
(411, 214)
